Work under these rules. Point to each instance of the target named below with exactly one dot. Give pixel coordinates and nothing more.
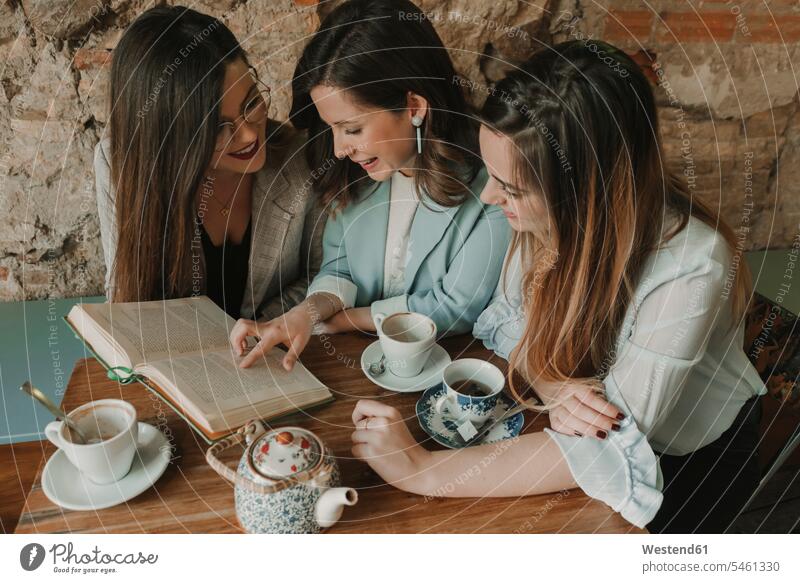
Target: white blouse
(680, 371)
(402, 208)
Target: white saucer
(430, 375)
(64, 485)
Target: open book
(180, 349)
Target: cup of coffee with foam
(112, 431)
(407, 340)
(472, 389)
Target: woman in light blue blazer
(394, 156)
(454, 254)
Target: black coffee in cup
(471, 388)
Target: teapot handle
(220, 446)
(245, 433)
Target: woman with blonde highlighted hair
(621, 305)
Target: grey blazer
(286, 228)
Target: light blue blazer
(455, 257)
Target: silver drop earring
(416, 121)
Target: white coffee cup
(407, 340)
(112, 429)
(474, 408)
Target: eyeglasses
(254, 112)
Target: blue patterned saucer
(444, 431)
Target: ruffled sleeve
(621, 470)
(500, 326)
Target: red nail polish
(620, 416)
(615, 427)
(601, 434)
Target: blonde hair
(587, 142)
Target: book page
(149, 331)
(98, 341)
(213, 383)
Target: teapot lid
(284, 452)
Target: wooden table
(191, 497)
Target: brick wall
(723, 71)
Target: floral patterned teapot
(286, 482)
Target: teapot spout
(331, 504)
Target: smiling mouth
(246, 152)
(367, 162)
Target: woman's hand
(583, 411)
(383, 440)
(293, 329)
(354, 319)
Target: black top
(226, 272)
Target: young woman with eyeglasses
(198, 190)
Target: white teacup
(111, 427)
(407, 340)
(462, 400)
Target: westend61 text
(673, 550)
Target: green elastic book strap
(128, 377)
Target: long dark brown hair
(379, 50)
(583, 123)
(167, 78)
